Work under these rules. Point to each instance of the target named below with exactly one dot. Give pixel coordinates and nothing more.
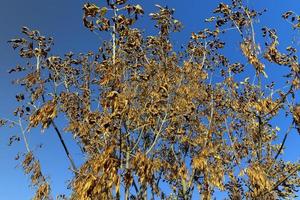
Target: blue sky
(62, 19)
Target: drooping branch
(283, 141)
(73, 166)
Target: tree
(148, 117)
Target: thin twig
(64, 146)
(137, 141)
(24, 136)
(283, 141)
(232, 143)
(157, 134)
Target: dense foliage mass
(154, 122)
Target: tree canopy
(155, 121)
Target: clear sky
(62, 19)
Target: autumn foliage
(155, 122)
